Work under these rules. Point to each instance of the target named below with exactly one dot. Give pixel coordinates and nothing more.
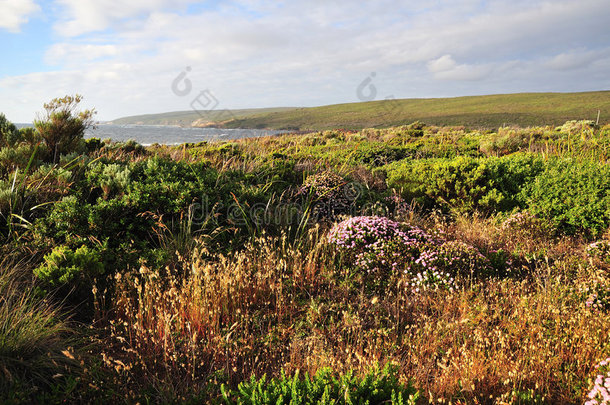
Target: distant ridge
(193, 118)
(490, 111)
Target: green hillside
(524, 109)
(194, 118)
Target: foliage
(324, 388)
(464, 183)
(9, 135)
(194, 266)
(35, 344)
(573, 195)
(62, 127)
(65, 266)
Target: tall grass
(35, 344)
(270, 308)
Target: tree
(62, 128)
(8, 132)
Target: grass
(493, 111)
(271, 308)
(237, 293)
(193, 118)
(35, 340)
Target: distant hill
(523, 109)
(194, 118)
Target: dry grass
(273, 306)
(35, 341)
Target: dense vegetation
(526, 109)
(400, 265)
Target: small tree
(9, 134)
(63, 126)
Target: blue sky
(123, 56)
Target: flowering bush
(597, 295)
(379, 246)
(599, 250)
(600, 393)
(432, 280)
(455, 257)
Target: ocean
(169, 135)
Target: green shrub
(62, 128)
(64, 266)
(30, 135)
(9, 135)
(573, 195)
(93, 144)
(324, 388)
(465, 183)
(111, 178)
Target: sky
(133, 57)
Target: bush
(573, 196)
(64, 266)
(324, 388)
(599, 250)
(111, 178)
(330, 194)
(380, 247)
(524, 224)
(464, 183)
(600, 391)
(63, 127)
(9, 135)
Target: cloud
(576, 59)
(123, 56)
(83, 16)
(445, 68)
(15, 13)
(442, 64)
(67, 53)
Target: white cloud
(83, 16)
(576, 59)
(123, 56)
(445, 68)
(67, 53)
(15, 13)
(442, 64)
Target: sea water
(169, 135)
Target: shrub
(62, 127)
(111, 178)
(330, 194)
(9, 135)
(573, 196)
(324, 388)
(30, 135)
(453, 258)
(64, 266)
(576, 126)
(600, 392)
(380, 247)
(524, 224)
(599, 250)
(465, 183)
